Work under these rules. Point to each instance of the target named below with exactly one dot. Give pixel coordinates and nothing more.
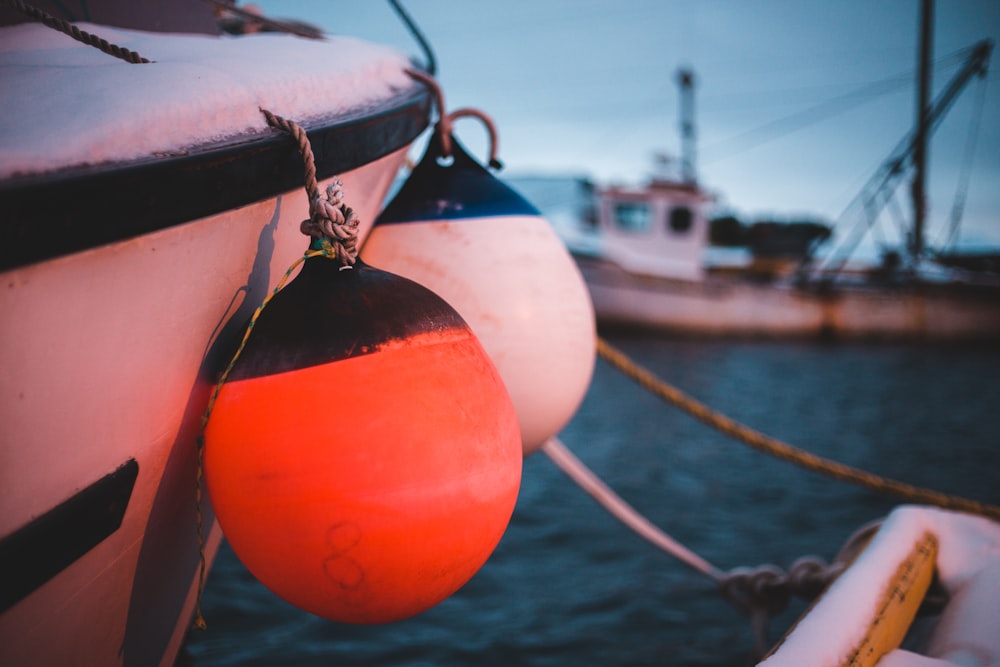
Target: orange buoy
(487, 251)
(363, 457)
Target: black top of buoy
(327, 313)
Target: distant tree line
(792, 238)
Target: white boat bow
(147, 210)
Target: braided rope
(784, 451)
(765, 586)
(769, 588)
(68, 28)
(331, 221)
(764, 592)
(443, 127)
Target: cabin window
(680, 220)
(632, 216)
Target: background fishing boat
(648, 258)
(147, 210)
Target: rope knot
(769, 589)
(333, 224)
(764, 588)
(809, 575)
(765, 591)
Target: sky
(797, 102)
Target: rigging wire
(780, 127)
(965, 176)
(837, 256)
(898, 216)
(892, 171)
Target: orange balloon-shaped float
(456, 229)
(363, 457)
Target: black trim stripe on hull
(49, 215)
(33, 554)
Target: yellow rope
(785, 451)
(327, 251)
(334, 237)
(333, 226)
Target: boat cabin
(659, 230)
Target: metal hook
(490, 128)
(446, 120)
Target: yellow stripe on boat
(869, 609)
(899, 604)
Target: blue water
(569, 585)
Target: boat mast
(685, 78)
(877, 193)
(920, 140)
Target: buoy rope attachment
(334, 227)
(332, 223)
(782, 450)
(446, 121)
(83, 36)
(199, 619)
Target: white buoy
(456, 229)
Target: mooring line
(784, 451)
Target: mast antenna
(685, 78)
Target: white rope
(613, 503)
(759, 592)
